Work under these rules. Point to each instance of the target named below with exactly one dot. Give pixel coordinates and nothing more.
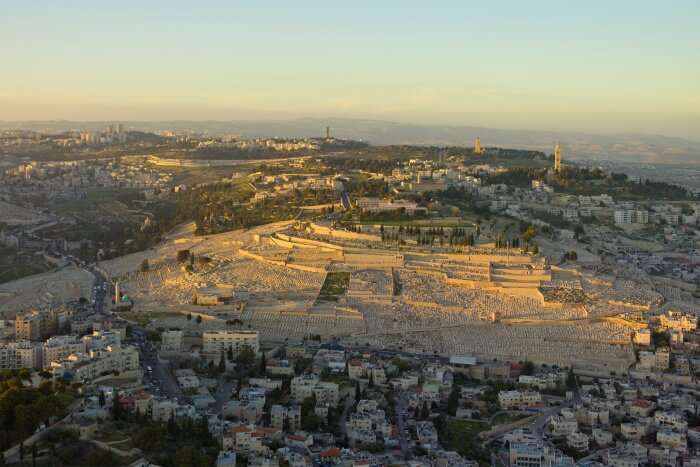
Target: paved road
(401, 413)
(160, 377)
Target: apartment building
(35, 325)
(216, 342)
(17, 355)
(58, 348)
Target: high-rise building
(557, 158)
(477, 146)
(35, 325)
(328, 132)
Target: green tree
(144, 266)
(222, 363)
(453, 401)
(117, 409)
(35, 453)
(246, 356)
(102, 399)
(263, 364)
(530, 233)
(571, 379)
(425, 411)
(229, 353)
(199, 319)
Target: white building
(21, 354)
(214, 343)
(57, 348)
(630, 216)
(87, 367)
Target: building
(102, 339)
(35, 325)
(171, 340)
(678, 321)
(659, 360)
(577, 440)
(305, 386)
(214, 343)
(563, 426)
(292, 415)
(17, 355)
(630, 216)
(58, 348)
(642, 337)
(87, 367)
(213, 295)
(516, 399)
(535, 454)
(382, 205)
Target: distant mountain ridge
(617, 147)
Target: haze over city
(597, 67)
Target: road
(401, 413)
(160, 378)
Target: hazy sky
(600, 66)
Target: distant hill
(619, 147)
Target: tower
(557, 158)
(328, 132)
(477, 146)
(117, 293)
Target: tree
(229, 353)
(199, 319)
(222, 363)
(425, 411)
(530, 233)
(21, 450)
(102, 399)
(528, 368)
(358, 391)
(263, 364)
(571, 379)
(35, 453)
(453, 401)
(117, 409)
(189, 316)
(172, 425)
(246, 356)
(144, 266)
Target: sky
(595, 66)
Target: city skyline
(628, 67)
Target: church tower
(557, 158)
(477, 146)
